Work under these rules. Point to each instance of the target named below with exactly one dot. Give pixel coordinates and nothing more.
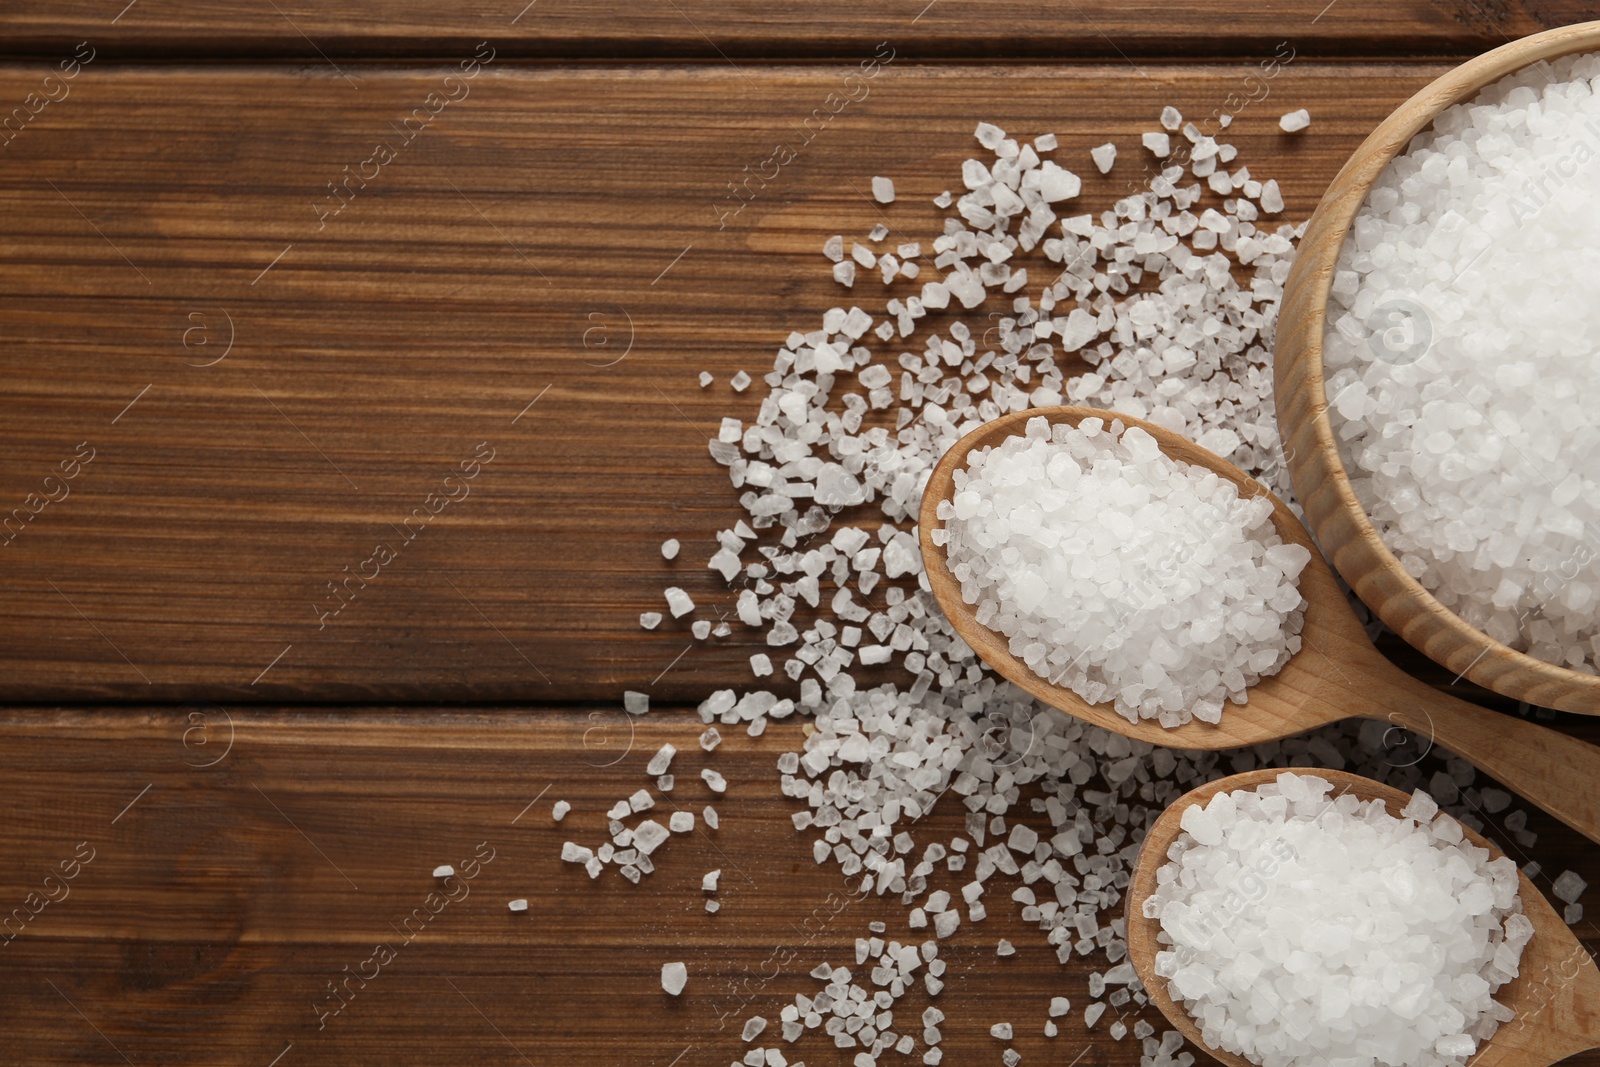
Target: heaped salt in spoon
(1300, 918)
(1335, 674)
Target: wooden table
(273, 364)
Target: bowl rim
(1309, 282)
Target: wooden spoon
(1337, 674)
(1556, 995)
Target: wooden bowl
(1341, 525)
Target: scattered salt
(678, 602)
(1295, 121)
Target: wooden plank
(739, 30)
(158, 214)
(241, 860)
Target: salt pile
(1462, 360)
(1313, 928)
(1121, 573)
(1170, 298)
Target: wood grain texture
(373, 349)
(217, 907)
(1340, 521)
(716, 32)
(1556, 995)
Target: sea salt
(1305, 927)
(1295, 121)
(1104, 156)
(674, 976)
(1161, 305)
(1122, 574)
(883, 190)
(1459, 351)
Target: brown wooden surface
(753, 29)
(559, 206)
(423, 318)
(217, 906)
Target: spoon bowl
(1336, 675)
(1556, 995)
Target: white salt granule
(661, 760)
(1121, 573)
(1460, 353)
(674, 976)
(558, 810)
(1158, 143)
(678, 602)
(444, 870)
(761, 665)
(715, 781)
(1295, 121)
(635, 703)
(709, 882)
(681, 822)
(650, 619)
(705, 379)
(520, 904)
(1104, 156)
(669, 548)
(648, 836)
(740, 382)
(1568, 887)
(883, 190)
(1303, 927)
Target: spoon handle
(1560, 774)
